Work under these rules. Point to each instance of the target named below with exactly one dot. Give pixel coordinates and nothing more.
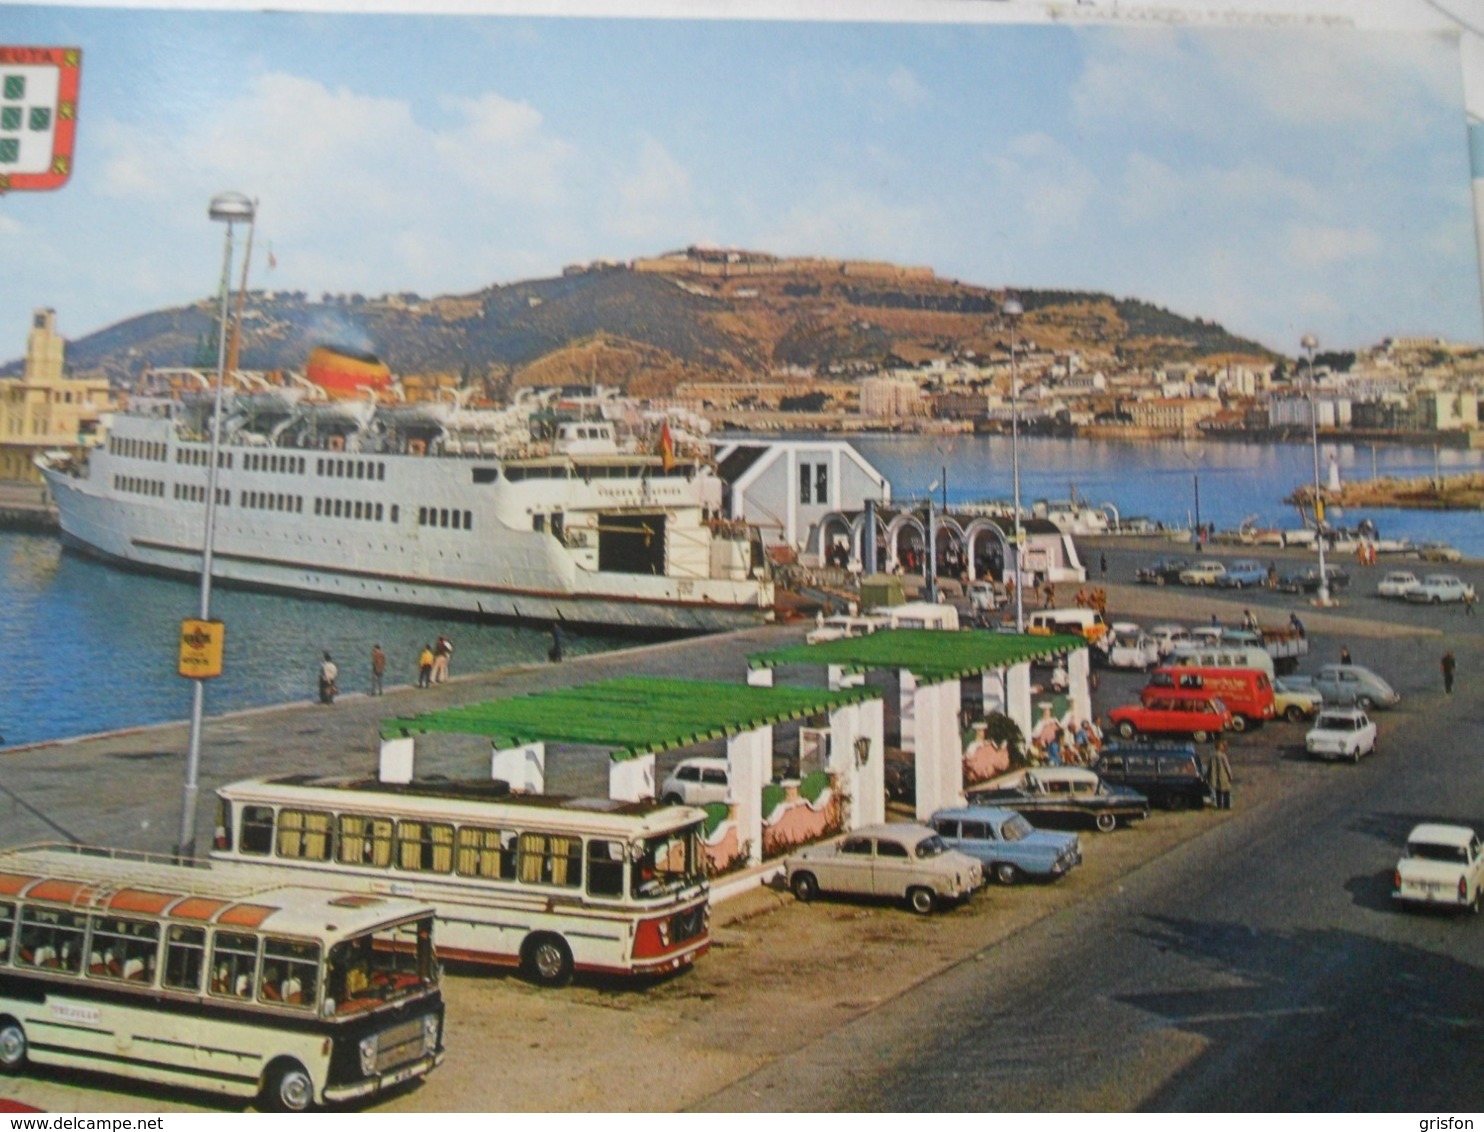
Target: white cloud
(653, 196)
(904, 85)
(1039, 188)
(1321, 247)
(1152, 191)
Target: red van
(1247, 692)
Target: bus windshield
(667, 863)
(384, 966)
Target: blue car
(1245, 573)
(1009, 846)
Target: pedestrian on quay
(442, 650)
(1344, 654)
(378, 669)
(1248, 620)
(329, 673)
(425, 667)
(1469, 597)
(1220, 776)
(1103, 564)
(558, 647)
(1449, 665)
(1296, 625)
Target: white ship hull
(472, 536)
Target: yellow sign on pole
(201, 648)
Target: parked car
(1442, 865)
(1341, 733)
(1306, 581)
(1128, 646)
(695, 782)
(1206, 572)
(1168, 774)
(900, 779)
(1349, 684)
(1199, 716)
(1295, 703)
(1439, 552)
(1162, 572)
(1435, 589)
(899, 860)
(1244, 574)
(1397, 583)
(1170, 637)
(1052, 794)
(1008, 846)
(841, 626)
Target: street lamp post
(1309, 342)
(229, 208)
(1012, 310)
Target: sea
(85, 647)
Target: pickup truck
(1286, 646)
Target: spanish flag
(667, 447)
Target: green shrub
(716, 813)
(773, 796)
(814, 785)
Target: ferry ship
(575, 509)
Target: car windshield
(1016, 829)
(1427, 851)
(1337, 723)
(933, 846)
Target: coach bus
(548, 884)
(231, 980)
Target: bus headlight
(430, 1033)
(369, 1049)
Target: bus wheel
(1239, 723)
(547, 960)
(289, 1088)
(12, 1046)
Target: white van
(1221, 656)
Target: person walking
(1220, 776)
(1103, 564)
(329, 673)
(558, 646)
(1344, 654)
(442, 650)
(1449, 665)
(1469, 597)
(425, 667)
(378, 669)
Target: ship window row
(200, 457)
(137, 449)
(410, 845)
(273, 462)
(350, 469)
(353, 509)
(445, 517)
(272, 501)
(138, 485)
(195, 493)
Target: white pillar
(1018, 695)
(907, 687)
(396, 761)
(940, 756)
(992, 687)
(857, 756)
(749, 768)
(525, 768)
(631, 780)
(1079, 669)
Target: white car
(1439, 552)
(1438, 588)
(1443, 864)
(1167, 637)
(1397, 583)
(1341, 733)
(1134, 649)
(695, 782)
(843, 625)
(1204, 573)
(900, 861)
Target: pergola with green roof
(635, 718)
(933, 663)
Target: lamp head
(1011, 308)
(231, 207)
(1309, 342)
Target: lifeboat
(345, 373)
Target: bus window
(488, 853)
(425, 847)
(363, 840)
(304, 834)
(604, 868)
(123, 949)
(550, 859)
(666, 864)
(51, 940)
(234, 964)
(290, 972)
(185, 953)
(7, 930)
(257, 830)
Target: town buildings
(44, 409)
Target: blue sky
(1278, 182)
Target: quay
(780, 975)
(25, 507)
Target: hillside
(648, 325)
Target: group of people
(1058, 745)
(432, 668)
(1093, 599)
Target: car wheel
(673, 800)
(1159, 581)
(1364, 703)
(805, 887)
(922, 900)
(1107, 823)
(1294, 714)
(12, 1046)
(547, 960)
(1127, 730)
(1006, 873)
(1239, 723)
(1201, 736)
(289, 1089)
(1436, 600)
(1174, 801)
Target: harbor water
(85, 647)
